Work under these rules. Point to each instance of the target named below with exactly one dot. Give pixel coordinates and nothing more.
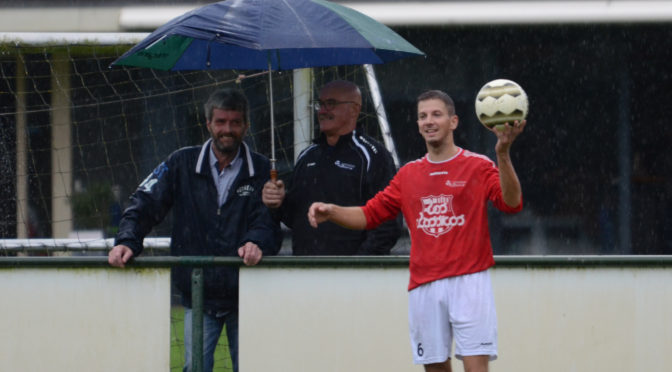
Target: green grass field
(222, 358)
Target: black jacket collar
(322, 139)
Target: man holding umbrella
(214, 191)
(343, 166)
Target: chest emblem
(450, 183)
(343, 165)
(437, 216)
(245, 190)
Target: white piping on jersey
(304, 152)
(354, 140)
(480, 156)
(443, 161)
(202, 154)
(363, 148)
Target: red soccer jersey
(445, 207)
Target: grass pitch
(222, 357)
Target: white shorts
(461, 307)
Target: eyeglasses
(328, 105)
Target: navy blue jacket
(201, 227)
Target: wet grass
(222, 358)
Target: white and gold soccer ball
(501, 101)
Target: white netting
(78, 136)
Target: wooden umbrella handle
(274, 172)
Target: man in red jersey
(444, 197)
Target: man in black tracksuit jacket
(207, 221)
(342, 166)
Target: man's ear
(454, 121)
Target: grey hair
(227, 99)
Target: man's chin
(431, 141)
(228, 148)
(327, 126)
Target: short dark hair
(441, 95)
(227, 99)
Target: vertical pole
(274, 170)
(197, 320)
(303, 113)
(61, 146)
(21, 151)
(380, 112)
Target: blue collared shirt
(224, 179)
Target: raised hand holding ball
(501, 101)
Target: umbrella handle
(274, 172)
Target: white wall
(335, 319)
(550, 319)
(324, 320)
(84, 320)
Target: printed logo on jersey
(343, 165)
(437, 216)
(450, 183)
(153, 178)
(245, 190)
(310, 165)
(440, 173)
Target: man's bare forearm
(349, 217)
(511, 190)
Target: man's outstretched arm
(349, 217)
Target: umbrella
(268, 35)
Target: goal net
(77, 136)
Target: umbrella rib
(300, 21)
(156, 41)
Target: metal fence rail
(338, 261)
(72, 245)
